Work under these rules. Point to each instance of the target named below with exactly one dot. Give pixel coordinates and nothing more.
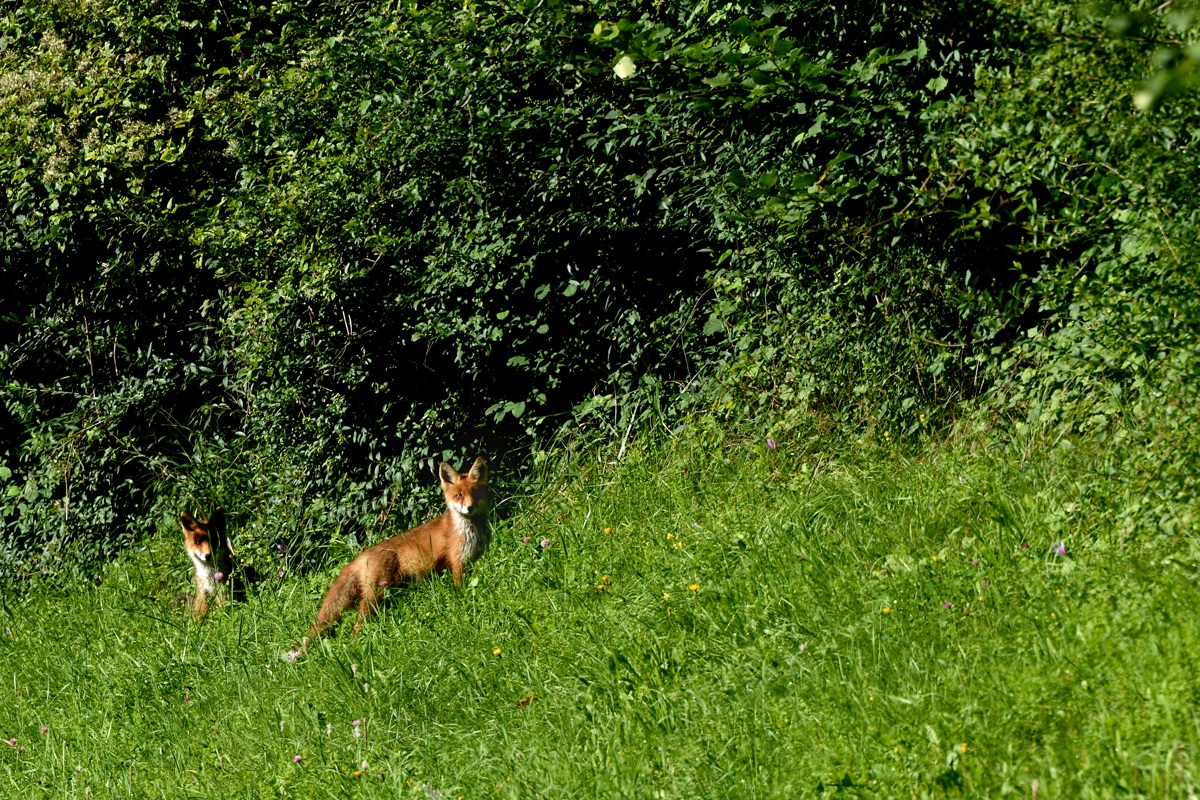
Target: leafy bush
(284, 257)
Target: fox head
(466, 493)
(201, 536)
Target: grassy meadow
(710, 616)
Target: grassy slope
(780, 675)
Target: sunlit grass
(706, 618)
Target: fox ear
(188, 522)
(217, 520)
(478, 471)
(447, 473)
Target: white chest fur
(474, 534)
(206, 581)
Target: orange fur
(446, 543)
(211, 553)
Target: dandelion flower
(496, 652)
(887, 609)
(962, 748)
(695, 587)
(666, 596)
(608, 530)
(356, 774)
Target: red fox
(446, 543)
(211, 554)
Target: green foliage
(290, 256)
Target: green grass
(779, 675)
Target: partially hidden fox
(212, 557)
(448, 542)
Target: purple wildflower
(220, 576)
(974, 562)
(984, 583)
(1024, 545)
(947, 604)
(1059, 549)
(12, 742)
(544, 543)
(44, 729)
(296, 759)
(771, 443)
(525, 539)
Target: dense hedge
(285, 256)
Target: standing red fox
(446, 543)
(211, 554)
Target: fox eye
(458, 496)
